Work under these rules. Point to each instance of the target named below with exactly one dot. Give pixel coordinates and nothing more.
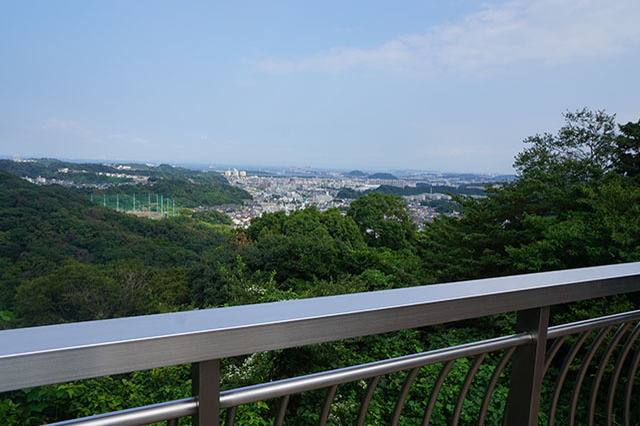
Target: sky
(375, 85)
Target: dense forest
(575, 202)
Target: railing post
(206, 384)
(527, 369)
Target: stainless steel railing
(42, 355)
(329, 380)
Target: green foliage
(213, 217)
(49, 228)
(348, 193)
(569, 208)
(627, 150)
(46, 404)
(383, 220)
(442, 205)
(583, 149)
(82, 292)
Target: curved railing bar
(141, 415)
(563, 374)
(557, 344)
(616, 372)
(593, 323)
(601, 368)
(435, 391)
(231, 416)
(403, 396)
(492, 384)
(471, 374)
(586, 362)
(326, 408)
(628, 392)
(364, 406)
(282, 410)
(325, 379)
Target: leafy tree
(559, 213)
(582, 149)
(75, 292)
(383, 221)
(627, 151)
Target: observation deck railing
(60, 353)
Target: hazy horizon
(221, 167)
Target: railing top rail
(50, 354)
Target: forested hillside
(576, 203)
(56, 244)
(188, 188)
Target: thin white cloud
(541, 31)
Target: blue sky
(435, 85)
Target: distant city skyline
(447, 86)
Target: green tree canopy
(383, 220)
(568, 208)
(582, 149)
(627, 152)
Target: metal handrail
(330, 379)
(275, 389)
(139, 415)
(592, 324)
(325, 379)
(52, 354)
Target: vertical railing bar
(628, 392)
(403, 396)
(364, 406)
(465, 388)
(557, 344)
(601, 369)
(436, 391)
(527, 369)
(282, 410)
(586, 361)
(326, 408)
(206, 384)
(172, 422)
(492, 384)
(231, 416)
(617, 370)
(564, 370)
